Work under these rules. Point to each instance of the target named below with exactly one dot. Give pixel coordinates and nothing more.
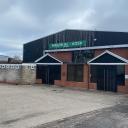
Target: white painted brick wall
(18, 74)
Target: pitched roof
(48, 59)
(108, 58)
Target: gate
(49, 73)
(106, 78)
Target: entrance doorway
(108, 77)
(48, 73)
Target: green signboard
(65, 45)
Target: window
(120, 76)
(75, 73)
(82, 56)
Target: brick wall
(63, 56)
(64, 72)
(124, 88)
(28, 74)
(10, 75)
(123, 52)
(65, 83)
(126, 73)
(17, 73)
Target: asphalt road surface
(112, 117)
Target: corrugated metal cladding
(34, 49)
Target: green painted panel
(65, 45)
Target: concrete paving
(112, 117)
(26, 106)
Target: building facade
(81, 59)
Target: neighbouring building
(82, 59)
(10, 60)
(4, 59)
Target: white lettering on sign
(126, 76)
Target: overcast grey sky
(24, 20)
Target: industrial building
(82, 59)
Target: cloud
(82, 20)
(10, 47)
(25, 20)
